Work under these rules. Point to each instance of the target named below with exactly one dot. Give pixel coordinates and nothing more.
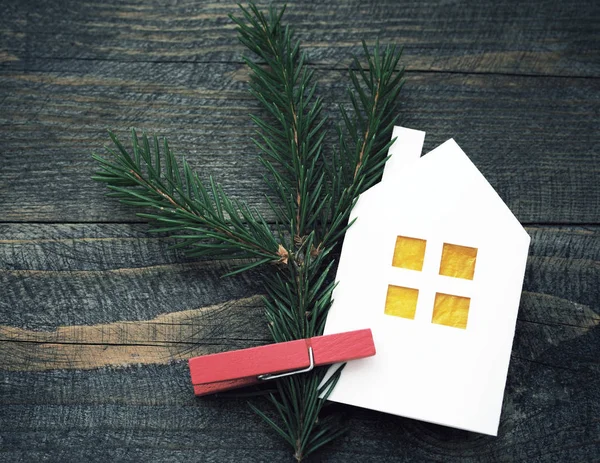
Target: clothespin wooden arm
(229, 370)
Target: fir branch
(291, 140)
(317, 196)
(204, 219)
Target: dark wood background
(97, 317)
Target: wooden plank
(98, 274)
(132, 408)
(148, 412)
(118, 272)
(537, 37)
(534, 139)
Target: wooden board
(547, 38)
(534, 139)
(97, 318)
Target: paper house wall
(434, 265)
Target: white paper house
(434, 265)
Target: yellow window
(409, 253)
(458, 261)
(401, 301)
(451, 310)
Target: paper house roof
(434, 265)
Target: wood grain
(97, 274)
(95, 313)
(163, 339)
(534, 140)
(537, 37)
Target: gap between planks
(321, 67)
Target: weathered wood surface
(534, 139)
(547, 38)
(97, 317)
(88, 296)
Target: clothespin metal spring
(269, 376)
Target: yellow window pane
(451, 310)
(458, 261)
(409, 253)
(401, 301)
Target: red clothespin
(238, 368)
